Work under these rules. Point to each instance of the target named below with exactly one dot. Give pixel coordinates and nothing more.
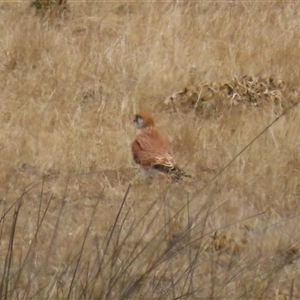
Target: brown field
(78, 221)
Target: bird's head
(143, 120)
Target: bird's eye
(139, 121)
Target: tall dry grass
(77, 222)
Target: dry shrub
(51, 8)
(246, 92)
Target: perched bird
(150, 150)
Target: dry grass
(77, 222)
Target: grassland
(78, 222)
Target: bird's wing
(149, 149)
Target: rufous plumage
(151, 151)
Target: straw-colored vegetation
(77, 220)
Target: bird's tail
(175, 172)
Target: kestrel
(150, 150)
